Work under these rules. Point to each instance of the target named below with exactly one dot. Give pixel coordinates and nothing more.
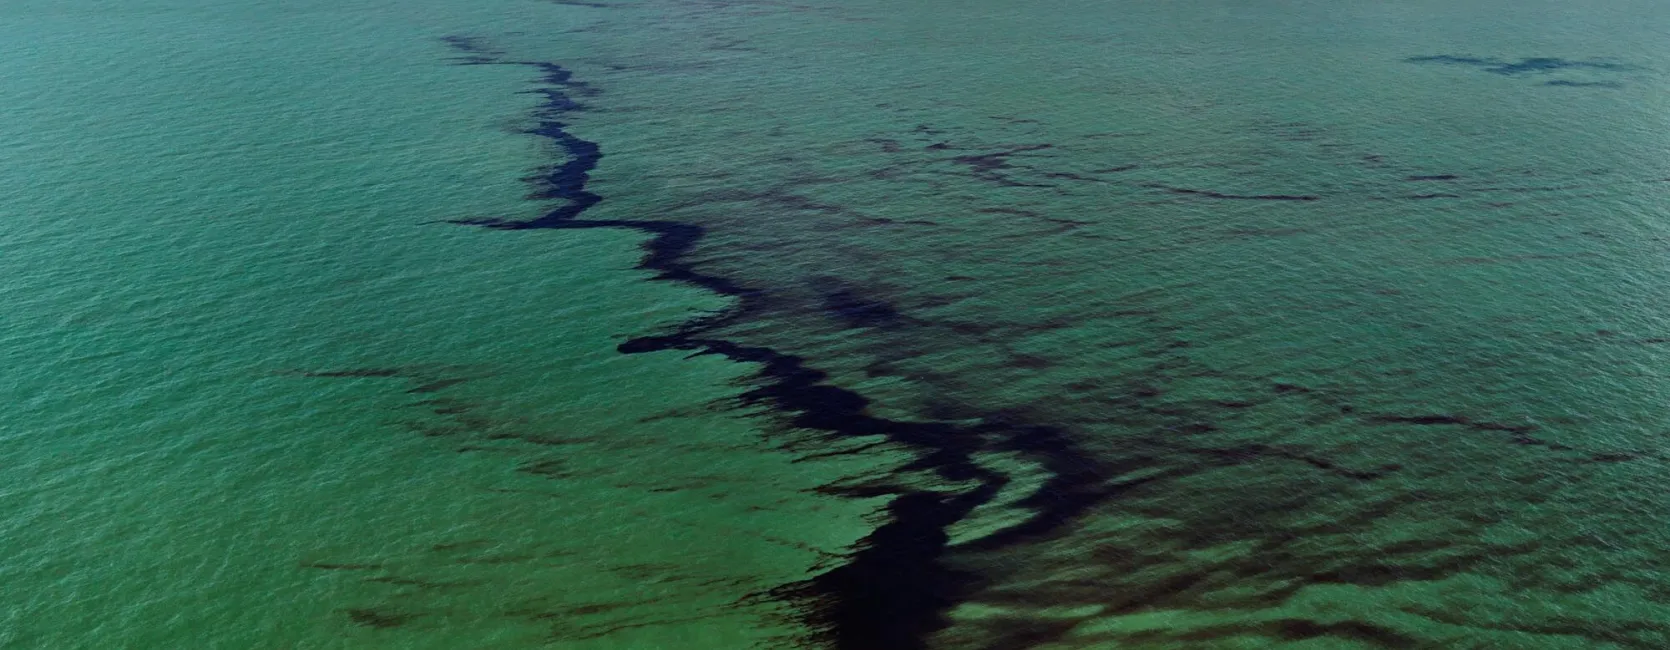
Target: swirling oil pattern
(847, 325)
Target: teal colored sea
(731, 324)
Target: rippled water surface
(856, 325)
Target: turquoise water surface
(857, 325)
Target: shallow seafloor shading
(1113, 325)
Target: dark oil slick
(847, 325)
(891, 592)
(1221, 385)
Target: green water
(206, 202)
(1344, 321)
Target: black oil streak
(358, 372)
(1519, 433)
(376, 619)
(1243, 197)
(340, 566)
(437, 385)
(893, 592)
(1522, 66)
(849, 306)
(987, 167)
(1583, 84)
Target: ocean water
(262, 396)
(857, 325)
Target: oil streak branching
(894, 590)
